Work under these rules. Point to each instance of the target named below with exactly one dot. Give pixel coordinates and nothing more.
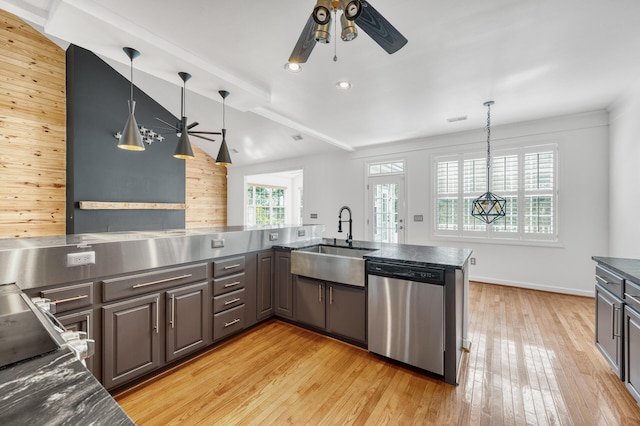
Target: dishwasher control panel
(408, 272)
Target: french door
(386, 209)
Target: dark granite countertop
(628, 268)
(55, 389)
(448, 257)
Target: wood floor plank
(532, 361)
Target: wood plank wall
(32, 132)
(205, 192)
(33, 142)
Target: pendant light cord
(488, 147)
(131, 80)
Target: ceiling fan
(184, 146)
(360, 12)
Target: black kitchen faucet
(349, 235)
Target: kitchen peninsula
(169, 283)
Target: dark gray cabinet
(347, 311)
(265, 298)
(187, 320)
(632, 348)
(609, 328)
(338, 309)
(229, 296)
(309, 300)
(131, 339)
(283, 284)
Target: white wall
(624, 184)
(332, 181)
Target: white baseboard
(533, 286)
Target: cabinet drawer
(610, 280)
(228, 300)
(232, 265)
(228, 322)
(227, 284)
(632, 295)
(70, 297)
(132, 285)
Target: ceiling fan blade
(205, 133)
(170, 125)
(305, 43)
(192, 125)
(379, 29)
(202, 137)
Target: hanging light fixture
(488, 207)
(131, 139)
(183, 150)
(223, 158)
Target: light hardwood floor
(532, 361)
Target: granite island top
(55, 389)
(628, 268)
(448, 257)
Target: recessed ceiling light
(292, 67)
(343, 85)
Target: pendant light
(488, 207)
(131, 139)
(223, 158)
(183, 150)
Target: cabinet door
(187, 320)
(609, 329)
(284, 285)
(81, 321)
(632, 345)
(309, 301)
(347, 311)
(265, 284)
(131, 339)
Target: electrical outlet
(418, 218)
(217, 243)
(301, 232)
(273, 236)
(473, 260)
(82, 258)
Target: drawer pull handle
(231, 284)
(166, 280)
(237, 265)
(634, 298)
(228, 324)
(71, 299)
(229, 302)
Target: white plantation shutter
(525, 177)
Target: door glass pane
(385, 212)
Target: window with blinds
(525, 177)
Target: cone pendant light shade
(223, 158)
(183, 150)
(131, 139)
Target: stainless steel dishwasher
(406, 314)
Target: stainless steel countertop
(38, 262)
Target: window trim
(489, 235)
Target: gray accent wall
(97, 170)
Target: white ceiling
(535, 59)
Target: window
(525, 177)
(265, 205)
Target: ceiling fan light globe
(322, 34)
(349, 30)
(351, 9)
(322, 12)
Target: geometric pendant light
(131, 138)
(488, 207)
(183, 150)
(223, 158)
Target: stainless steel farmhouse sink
(330, 263)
